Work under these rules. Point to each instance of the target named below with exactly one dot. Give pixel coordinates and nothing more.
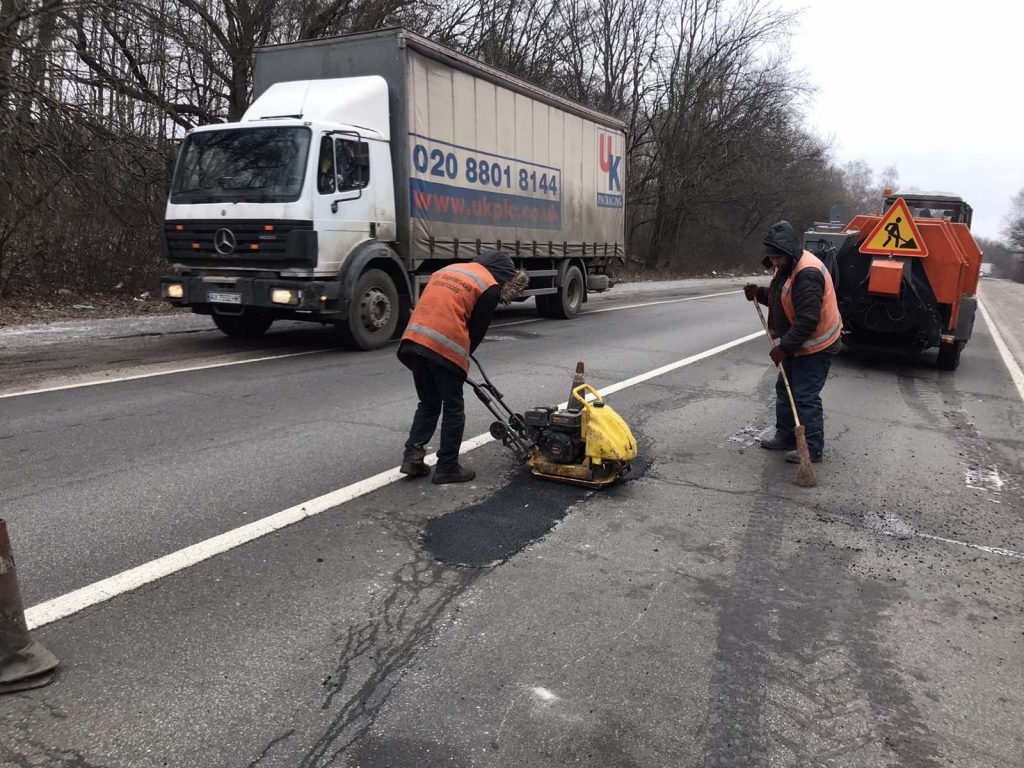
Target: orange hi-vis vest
(440, 321)
(830, 325)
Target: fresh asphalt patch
(513, 517)
(510, 519)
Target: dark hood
(499, 263)
(782, 238)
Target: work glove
(750, 291)
(778, 354)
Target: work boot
(793, 457)
(780, 441)
(453, 474)
(412, 462)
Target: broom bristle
(804, 474)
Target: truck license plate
(224, 298)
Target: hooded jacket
(499, 264)
(502, 269)
(808, 292)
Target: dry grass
(26, 310)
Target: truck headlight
(174, 291)
(284, 296)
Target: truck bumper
(233, 296)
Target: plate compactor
(585, 443)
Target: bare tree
(723, 98)
(1015, 223)
(518, 36)
(92, 92)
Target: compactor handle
(487, 380)
(582, 389)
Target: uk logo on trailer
(610, 161)
(609, 157)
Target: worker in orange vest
(449, 322)
(805, 323)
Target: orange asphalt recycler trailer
(906, 279)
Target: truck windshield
(264, 165)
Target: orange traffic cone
(574, 404)
(24, 663)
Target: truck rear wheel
(248, 325)
(568, 302)
(949, 356)
(372, 314)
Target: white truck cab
(302, 180)
(349, 191)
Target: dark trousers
(807, 374)
(439, 388)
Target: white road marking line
(1011, 364)
(663, 301)
(519, 322)
(187, 369)
(678, 364)
(624, 306)
(984, 479)
(912, 534)
(895, 526)
(126, 581)
(968, 545)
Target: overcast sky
(934, 87)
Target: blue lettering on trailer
(444, 202)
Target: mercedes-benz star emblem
(224, 241)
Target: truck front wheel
(568, 302)
(248, 325)
(372, 313)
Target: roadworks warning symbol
(895, 234)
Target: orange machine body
(920, 295)
(952, 265)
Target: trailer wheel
(949, 356)
(373, 312)
(568, 301)
(248, 325)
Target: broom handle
(785, 379)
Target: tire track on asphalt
(801, 674)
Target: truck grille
(259, 242)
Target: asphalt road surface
(211, 537)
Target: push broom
(804, 474)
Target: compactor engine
(557, 433)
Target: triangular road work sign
(896, 234)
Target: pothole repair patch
(504, 523)
(513, 517)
